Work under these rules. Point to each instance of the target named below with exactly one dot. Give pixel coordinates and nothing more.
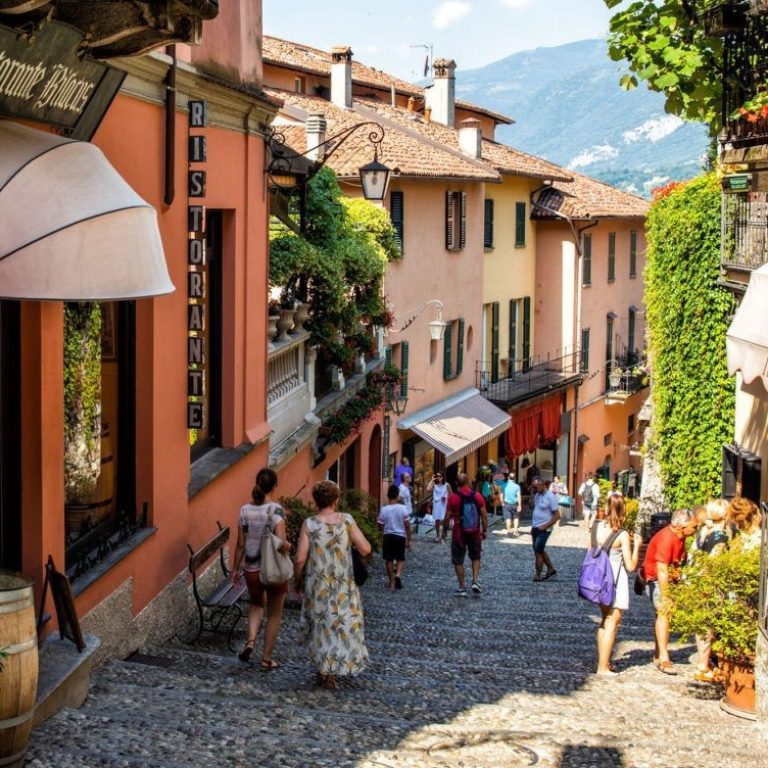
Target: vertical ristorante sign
(196, 260)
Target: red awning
(533, 424)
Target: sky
(391, 34)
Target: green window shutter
(404, 368)
(631, 333)
(512, 348)
(495, 341)
(611, 256)
(447, 343)
(462, 219)
(586, 278)
(388, 356)
(519, 225)
(450, 223)
(633, 253)
(396, 214)
(585, 350)
(526, 332)
(488, 225)
(460, 348)
(608, 348)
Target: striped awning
(458, 425)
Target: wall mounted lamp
(436, 327)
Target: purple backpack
(596, 581)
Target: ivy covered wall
(687, 319)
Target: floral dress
(332, 614)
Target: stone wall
(761, 683)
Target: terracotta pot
(739, 679)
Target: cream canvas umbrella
(747, 338)
(71, 228)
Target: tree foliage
(666, 45)
(687, 317)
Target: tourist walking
(466, 509)
(402, 468)
(589, 491)
(512, 505)
(254, 518)
(394, 522)
(331, 622)
(623, 554)
(405, 493)
(665, 550)
(440, 492)
(560, 489)
(546, 513)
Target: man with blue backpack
(470, 526)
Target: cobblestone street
(505, 679)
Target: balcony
(623, 385)
(524, 379)
(744, 244)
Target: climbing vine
(687, 317)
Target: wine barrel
(100, 504)
(18, 680)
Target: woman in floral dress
(331, 612)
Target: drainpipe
(170, 128)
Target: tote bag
(276, 566)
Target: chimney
(471, 138)
(341, 76)
(441, 95)
(315, 128)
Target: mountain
(569, 108)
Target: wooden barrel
(18, 680)
(100, 504)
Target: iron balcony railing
(515, 381)
(744, 242)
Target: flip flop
(245, 654)
(537, 577)
(667, 667)
(549, 575)
(267, 665)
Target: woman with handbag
(331, 612)
(257, 518)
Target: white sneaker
(461, 592)
(476, 588)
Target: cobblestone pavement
(505, 679)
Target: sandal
(537, 577)
(267, 665)
(549, 574)
(667, 667)
(245, 654)
(705, 676)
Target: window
(631, 332)
(526, 333)
(513, 348)
(633, 253)
(585, 350)
(455, 220)
(398, 354)
(488, 225)
(586, 277)
(495, 341)
(453, 349)
(519, 225)
(396, 213)
(611, 256)
(607, 439)
(609, 361)
(298, 84)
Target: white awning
(458, 425)
(70, 226)
(747, 338)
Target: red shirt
(454, 512)
(665, 547)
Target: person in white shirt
(440, 493)
(589, 491)
(405, 493)
(394, 522)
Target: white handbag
(276, 565)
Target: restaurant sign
(44, 77)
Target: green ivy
(687, 315)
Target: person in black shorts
(470, 526)
(394, 522)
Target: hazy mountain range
(568, 108)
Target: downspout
(170, 128)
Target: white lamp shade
(437, 329)
(614, 378)
(72, 228)
(375, 180)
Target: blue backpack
(596, 581)
(469, 519)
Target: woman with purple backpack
(624, 556)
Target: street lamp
(436, 327)
(614, 375)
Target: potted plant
(720, 594)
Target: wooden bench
(219, 612)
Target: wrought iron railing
(744, 242)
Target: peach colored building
(589, 294)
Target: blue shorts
(539, 540)
(510, 511)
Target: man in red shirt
(666, 549)
(470, 526)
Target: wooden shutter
(526, 332)
(586, 276)
(488, 225)
(633, 253)
(450, 222)
(585, 350)
(447, 344)
(460, 348)
(462, 219)
(631, 334)
(396, 214)
(611, 256)
(495, 341)
(519, 225)
(404, 368)
(388, 356)
(512, 347)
